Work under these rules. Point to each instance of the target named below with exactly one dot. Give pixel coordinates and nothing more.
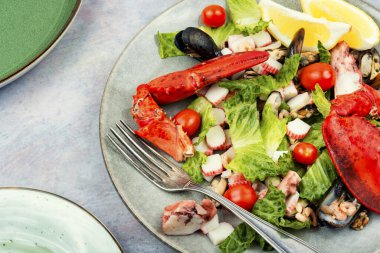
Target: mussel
(338, 209)
(296, 45)
(369, 64)
(197, 44)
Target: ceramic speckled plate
(29, 31)
(34, 221)
(140, 63)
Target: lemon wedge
(365, 32)
(286, 22)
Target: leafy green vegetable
(272, 207)
(318, 179)
(315, 136)
(294, 224)
(220, 34)
(243, 119)
(238, 241)
(241, 239)
(323, 105)
(251, 158)
(324, 54)
(192, 166)
(262, 243)
(203, 107)
(246, 16)
(374, 122)
(272, 129)
(263, 85)
(166, 45)
(253, 162)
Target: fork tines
(141, 155)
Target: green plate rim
(32, 63)
(71, 202)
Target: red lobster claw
(354, 144)
(179, 85)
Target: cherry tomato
(213, 15)
(305, 153)
(190, 121)
(318, 73)
(242, 195)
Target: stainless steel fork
(166, 175)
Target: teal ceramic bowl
(29, 31)
(33, 221)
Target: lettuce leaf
(192, 166)
(167, 47)
(253, 162)
(263, 85)
(238, 241)
(220, 34)
(243, 119)
(251, 158)
(246, 15)
(318, 179)
(320, 100)
(272, 207)
(272, 129)
(315, 136)
(294, 224)
(324, 54)
(203, 107)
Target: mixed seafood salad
(284, 120)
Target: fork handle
(279, 239)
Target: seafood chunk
(348, 75)
(289, 183)
(197, 44)
(338, 208)
(157, 128)
(186, 216)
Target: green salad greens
(318, 178)
(203, 107)
(192, 166)
(251, 157)
(324, 54)
(166, 45)
(320, 100)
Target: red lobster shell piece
(157, 128)
(354, 144)
(182, 84)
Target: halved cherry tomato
(213, 15)
(189, 119)
(305, 153)
(242, 195)
(318, 73)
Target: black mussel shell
(296, 45)
(197, 44)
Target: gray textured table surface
(49, 137)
